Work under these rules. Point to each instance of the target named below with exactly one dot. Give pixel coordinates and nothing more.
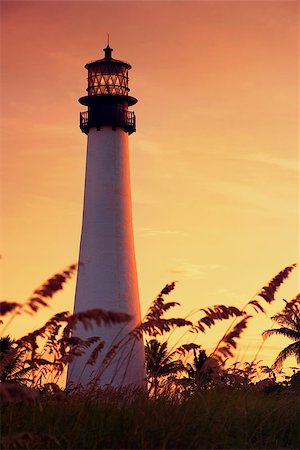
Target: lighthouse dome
(108, 77)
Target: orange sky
(214, 161)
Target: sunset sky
(214, 161)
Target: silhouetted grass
(219, 418)
(203, 405)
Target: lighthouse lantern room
(108, 98)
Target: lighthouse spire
(107, 52)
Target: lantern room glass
(108, 79)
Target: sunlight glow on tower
(107, 276)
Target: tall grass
(219, 418)
(192, 403)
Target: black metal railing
(84, 118)
(107, 116)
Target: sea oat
(214, 313)
(186, 348)
(154, 324)
(159, 307)
(159, 326)
(91, 316)
(56, 282)
(7, 307)
(48, 289)
(39, 298)
(229, 339)
(95, 353)
(268, 291)
(110, 354)
(256, 306)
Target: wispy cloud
(226, 294)
(284, 163)
(147, 232)
(148, 146)
(253, 196)
(193, 271)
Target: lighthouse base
(118, 365)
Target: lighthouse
(107, 275)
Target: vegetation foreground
(216, 419)
(193, 400)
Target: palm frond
(19, 374)
(292, 305)
(286, 332)
(171, 368)
(288, 319)
(159, 362)
(290, 350)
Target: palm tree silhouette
(193, 370)
(202, 370)
(289, 320)
(159, 363)
(12, 362)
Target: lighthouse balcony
(108, 117)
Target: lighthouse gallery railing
(108, 117)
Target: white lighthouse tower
(107, 276)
